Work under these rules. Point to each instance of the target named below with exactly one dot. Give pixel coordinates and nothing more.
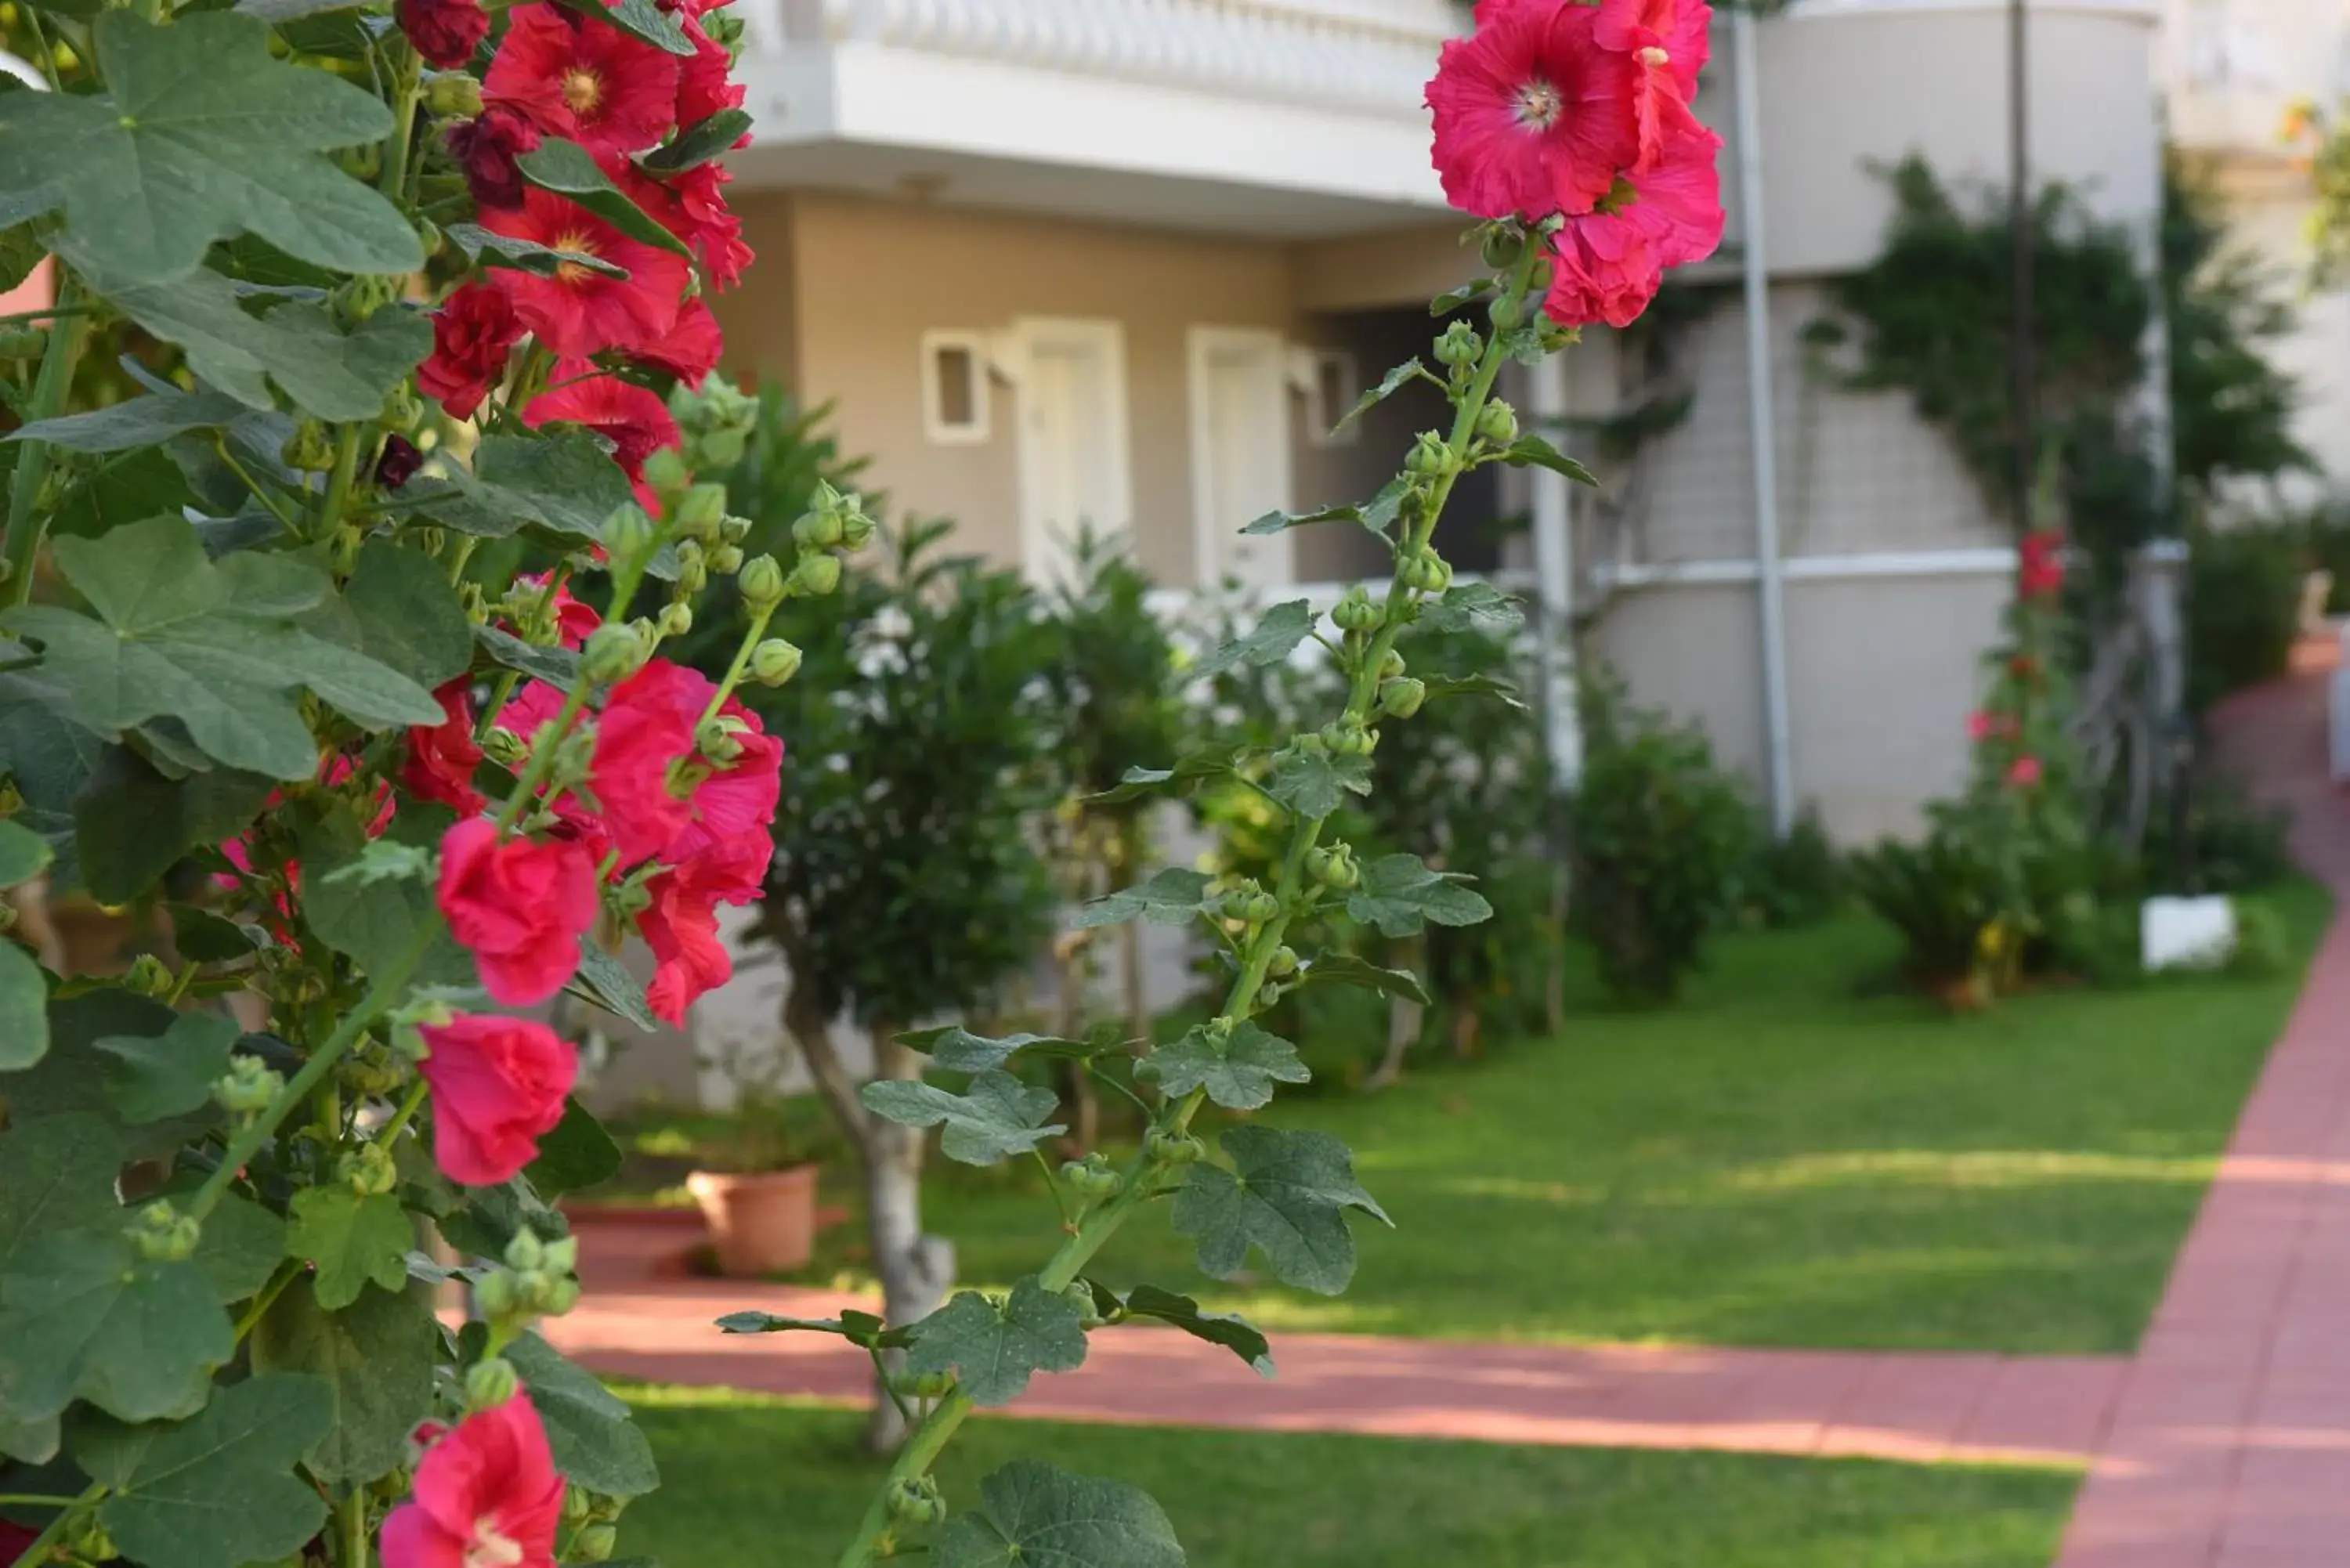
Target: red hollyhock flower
(578, 313)
(2041, 574)
(648, 728)
(591, 83)
(575, 622)
(1668, 39)
(703, 87)
(487, 148)
(445, 32)
(527, 713)
(398, 462)
(1601, 270)
(634, 420)
(693, 207)
(520, 904)
(487, 1495)
(442, 760)
(1533, 117)
(498, 1086)
(2025, 773)
(472, 332)
(691, 351)
(1608, 265)
(680, 925)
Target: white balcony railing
(1360, 55)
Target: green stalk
(735, 671)
(338, 482)
(503, 693)
(1140, 1182)
(379, 1000)
(50, 386)
(48, 1539)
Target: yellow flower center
(491, 1547)
(582, 90)
(578, 245)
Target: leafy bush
(2243, 605)
(1660, 833)
(1940, 894)
(1798, 880)
(2216, 839)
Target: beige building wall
(868, 277)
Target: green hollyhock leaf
(605, 981)
(1398, 895)
(525, 256)
(994, 1347)
(594, 1442)
(860, 1328)
(1312, 783)
(352, 1240)
(1533, 451)
(216, 1490)
(1237, 1070)
(207, 938)
(1234, 1333)
(640, 19)
(401, 610)
(71, 1079)
(1188, 774)
(171, 1074)
(558, 667)
(1473, 607)
(569, 170)
(1031, 1515)
(30, 1442)
(564, 484)
(578, 1153)
(1276, 636)
(997, 1116)
(132, 823)
(201, 135)
(697, 144)
(24, 1009)
(373, 920)
(127, 488)
(57, 1175)
(321, 368)
(136, 423)
(1170, 898)
(955, 1049)
(1346, 969)
(1475, 686)
(83, 1316)
(1288, 1194)
(241, 1247)
(376, 1360)
(23, 854)
(1282, 522)
(170, 640)
(1389, 385)
(48, 758)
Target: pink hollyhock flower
(577, 312)
(2041, 573)
(1608, 263)
(591, 83)
(633, 417)
(575, 622)
(680, 925)
(487, 148)
(2025, 773)
(472, 332)
(734, 810)
(442, 760)
(498, 1086)
(691, 351)
(520, 904)
(1533, 117)
(1601, 270)
(487, 1495)
(1979, 725)
(648, 728)
(1667, 38)
(445, 32)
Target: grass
(750, 1482)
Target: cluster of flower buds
(836, 525)
(1092, 1177)
(537, 1280)
(248, 1087)
(915, 1500)
(164, 1234)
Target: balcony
(1285, 119)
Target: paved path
(2224, 1444)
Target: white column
(1555, 580)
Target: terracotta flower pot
(760, 1223)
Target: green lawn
(750, 1482)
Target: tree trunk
(1404, 1019)
(915, 1269)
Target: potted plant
(758, 1189)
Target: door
(1240, 455)
(1073, 439)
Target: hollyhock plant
(681, 926)
(1610, 263)
(647, 732)
(634, 420)
(2041, 574)
(520, 906)
(575, 622)
(487, 1495)
(1533, 117)
(472, 332)
(2024, 772)
(691, 350)
(488, 149)
(577, 312)
(697, 212)
(498, 1086)
(595, 86)
(445, 32)
(442, 759)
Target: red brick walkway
(2224, 1444)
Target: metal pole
(1762, 424)
(2020, 207)
(1554, 584)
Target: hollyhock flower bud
(498, 1086)
(520, 906)
(1283, 962)
(700, 511)
(488, 1493)
(491, 1382)
(370, 1170)
(614, 653)
(676, 619)
(452, 95)
(1357, 611)
(815, 576)
(629, 533)
(1459, 345)
(489, 148)
(248, 1087)
(1498, 422)
(148, 976)
(760, 582)
(726, 559)
(819, 530)
(856, 530)
(445, 32)
(1164, 1146)
(1402, 698)
(1503, 248)
(1428, 573)
(774, 661)
(310, 449)
(734, 530)
(497, 1296)
(594, 1543)
(505, 748)
(1429, 456)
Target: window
(954, 388)
(1333, 381)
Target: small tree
(906, 884)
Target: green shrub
(1660, 834)
(1940, 895)
(2243, 602)
(1798, 880)
(2264, 946)
(2216, 839)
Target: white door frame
(1209, 532)
(1104, 340)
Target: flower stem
(379, 1000)
(409, 1106)
(735, 671)
(505, 689)
(34, 1500)
(56, 1528)
(22, 548)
